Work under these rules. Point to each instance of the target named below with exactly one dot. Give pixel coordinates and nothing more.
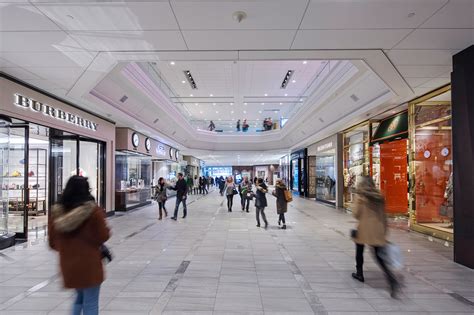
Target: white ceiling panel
(414, 82)
(435, 83)
(50, 59)
(56, 73)
(422, 57)
(368, 14)
(456, 14)
(438, 39)
(130, 40)
(111, 16)
(423, 71)
(217, 15)
(5, 63)
(23, 17)
(32, 42)
(354, 39)
(232, 39)
(20, 74)
(43, 84)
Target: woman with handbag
(77, 230)
(161, 197)
(369, 210)
(230, 191)
(261, 201)
(281, 203)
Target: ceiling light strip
(286, 79)
(190, 79)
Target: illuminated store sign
(48, 110)
(160, 150)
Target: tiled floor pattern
(215, 262)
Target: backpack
(288, 195)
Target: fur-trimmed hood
(70, 221)
(280, 184)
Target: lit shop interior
(35, 164)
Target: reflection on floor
(215, 262)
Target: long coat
(260, 198)
(77, 236)
(372, 226)
(281, 203)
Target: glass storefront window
(326, 178)
(132, 180)
(432, 162)
(356, 159)
(295, 175)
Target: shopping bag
(393, 256)
(288, 195)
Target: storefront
(166, 163)
(285, 170)
(298, 172)
(325, 162)
(431, 164)
(241, 171)
(43, 142)
(193, 167)
(389, 161)
(356, 158)
(218, 171)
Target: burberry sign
(48, 110)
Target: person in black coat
(181, 193)
(261, 201)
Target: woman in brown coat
(369, 210)
(281, 203)
(77, 229)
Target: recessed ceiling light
(245, 112)
(219, 119)
(200, 112)
(259, 111)
(301, 99)
(231, 104)
(231, 111)
(263, 103)
(217, 112)
(191, 95)
(214, 104)
(211, 95)
(293, 81)
(183, 82)
(196, 104)
(286, 94)
(305, 62)
(275, 111)
(266, 94)
(245, 104)
(281, 103)
(172, 63)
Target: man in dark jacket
(181, 193)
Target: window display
(295, 175)
(356, 159)
(326, 178)
(133, 180)
(432, 163)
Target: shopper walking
(77, 230)
(230, 192)
(246, 194)
(196, 185)
(161, 196)
(261, 201)
(238, 125)
(369, 210)
(221, 185)
(181, 195)
(190, 183)
(211, 126)
(281, 203)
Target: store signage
(160, 150)
(325, 147)
(50, 111)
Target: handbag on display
(288, 195)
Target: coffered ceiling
(68, 47)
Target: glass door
(13, 178)
(64, 157)
(91, 165)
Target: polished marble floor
(215, 262)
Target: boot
(359, 275)
(283, 227)
(394, 290)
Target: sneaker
(358, 277)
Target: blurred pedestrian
(281, 203)
(181, 196)
(369, 210)
(211, 126)
(161, 197)
(238, 125)
(77, 230)
(261, 201)
(246, 193)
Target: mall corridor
(216, 262)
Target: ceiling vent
(354, 97)
(190, 79)
(124, 98)
(287, 78)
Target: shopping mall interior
(245, 100)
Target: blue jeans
(87, 301)
(178, 201)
